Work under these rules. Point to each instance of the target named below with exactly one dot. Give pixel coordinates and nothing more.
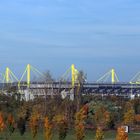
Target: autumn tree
(22, 111)
(48, 129)
(99, 134)
(121, 134)
(80, 123)
(10, 123)
(129, 117)
(2, 124)
(62, 126)
(137, 118)
(129, 114)
(102, 116)
(34, 124)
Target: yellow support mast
(27, 72)
(28, 75)
(7, 75)
(113, 76)
(73, 75)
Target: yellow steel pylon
(7, 75)
(113, 76)
(106, 76)
(28, 75)
(72, 75)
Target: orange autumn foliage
(80, 123)
(102, 116)
(34, 124)
(121, 134)
(48, 129)
(85, 109)
(129, 117)
(129, 113)
(137, 118)
(2, 124)
(80, 134)
(10, 119)
(99, 134)
(107, 117)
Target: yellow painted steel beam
(28, 75)
(113, 76)
(7, 75)
(72, 75)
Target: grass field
(111, 135)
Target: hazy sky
(95, 35)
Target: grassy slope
(89, 136)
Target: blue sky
(95, 35)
